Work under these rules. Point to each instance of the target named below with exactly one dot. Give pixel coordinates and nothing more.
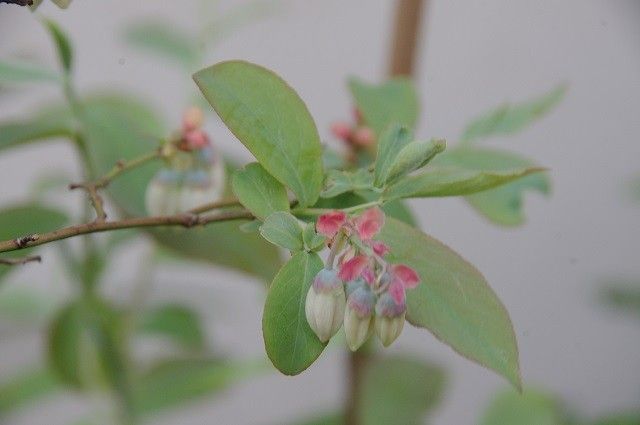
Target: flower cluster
(364, 291)
(194, 174)
(356, 136)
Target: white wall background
(474, 56)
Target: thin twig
(121, 167)
(20, 261)
(186, 220)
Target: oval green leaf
(283, 229)
(177, 322)
(271, 120)
(454, 301)
(259, 191)
(289, 341)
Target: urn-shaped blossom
(358, 316)
(389, 319)
(325, 304)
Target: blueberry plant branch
(20, 261)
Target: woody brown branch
(186, 220)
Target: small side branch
(20, 261)
(121, 167)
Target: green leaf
(631, 418)
(413, 156)
(25, 388)
(328, 419)
(176, 322)
(40, 127)
(63, 45)
(400, 211)
(623, 295)
(502, 205)
(528, 408)
(509, 119)
(289, 341)
(15, 72)
(21, 304)
(259, 191)
(271, 120)
(313, 241)
(454, 301)
(26, 219)
(394, 101)
(452, 181)
(85, 347)
(338, 182)
(173, 383)
(399, 390)
(120, 127)
(164, 40)
(283, 229)
(391, 142)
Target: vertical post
(402, 58)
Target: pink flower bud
(325, 304)
(407, 275)
(364, 136)
(196, 139)
(379, 248)
(357, 317)
(353, 268)
(341, 130)
(369, 223)
(330, 223)
(192, 119)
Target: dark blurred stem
(402, 59)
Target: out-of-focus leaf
(165, 40)
(40, 127)
(328, 419)
(414, 156)
(529, 408)
(338, 182)
(454, 301)
(85, 347)
(400, 211)
(62, 4)
(392, 140)
(25, 388)
(26, 219)
(453, 181)
(271, 120)
(120, 127)
(289, 341)
(15, 72)
(240, 15)
(394, 101)
(259, 191)
(332, 159)
(623, 295)
(172, 383)
(509, 119)
(283, 229)
(502, 205)
(176, 322)
(20, 304)
(631, 418)
(399, 390)
(63, 45)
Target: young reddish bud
(330, 223)
(379, 248)
(325, 304)
(363, 136)
(357, 115)
(369, 223)
(357, 317)
(352, 269)
(196, 139)
(341, 130)
(192, 119)
(407, 275)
